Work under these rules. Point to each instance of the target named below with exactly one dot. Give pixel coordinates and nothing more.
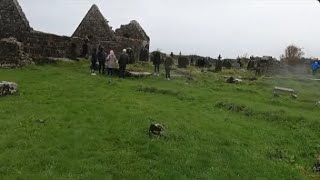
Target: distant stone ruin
(93, 32)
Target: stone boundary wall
(39, 44)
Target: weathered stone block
(8, 88)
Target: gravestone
(218, 67)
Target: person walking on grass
(123, 61)
(111, 63)
(168, 62)
(94, 59)
(315, 66)
(156, 62)
(102, 60)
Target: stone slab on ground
(8, 88)
(139, 74)
(283, 89)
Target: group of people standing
(102, 61)
(168, 62)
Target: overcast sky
(204, 27)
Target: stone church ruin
(93, 32)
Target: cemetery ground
(66, 124)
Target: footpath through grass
(66, 124)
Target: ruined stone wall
(125, 43)
(94, 27)
(39, 44)
(12, 54)
(13, 21)
(133, 30)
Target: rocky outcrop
(12, 54)
(8, 88)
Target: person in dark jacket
(156, 62)
(239, 62)
(168, 62)
(102, 60)
(123, 61)
(94, 59)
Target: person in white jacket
(111, 63)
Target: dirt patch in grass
(278, 116)
(235, 108)
(154, 90)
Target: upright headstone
(218, 67)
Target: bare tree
(292, 55)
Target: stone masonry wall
(40, 44)
(133, 30)
(94, 27)
(122, 43)
(12, 54)
(13, 21)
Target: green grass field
(66, 124)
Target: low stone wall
(12, 54)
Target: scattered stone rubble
(8, 88)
